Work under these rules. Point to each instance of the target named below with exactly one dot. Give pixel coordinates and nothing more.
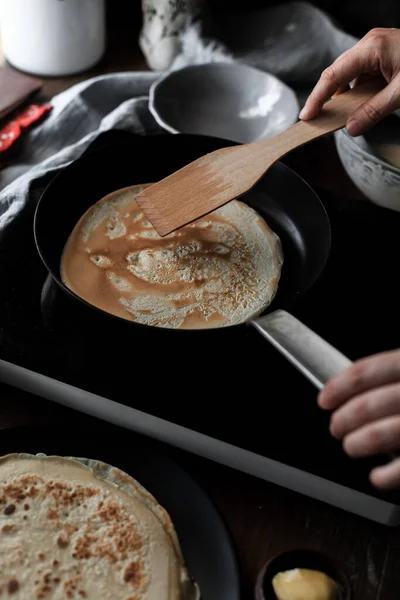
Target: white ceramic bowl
(362, 159)
(228, 100)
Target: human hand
(377, 54)
(365, 400)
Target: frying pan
(286, 202)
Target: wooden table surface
(262, 518)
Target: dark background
(354, 16)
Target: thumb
(375, 109)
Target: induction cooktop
(241, 404)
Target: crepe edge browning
(114, 476)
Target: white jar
(53, 37)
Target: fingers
(377, 53)
(380, 106)
(366, 403)
(379, 437)
(388, 476)
(366, 408)
(347, 67)
(364, 375)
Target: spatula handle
(333, 116)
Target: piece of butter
(304, 584)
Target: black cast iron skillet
(286, 202)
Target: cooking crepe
(222, 269)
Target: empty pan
(285, 201)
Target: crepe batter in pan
(220, 270)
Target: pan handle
(307, 351)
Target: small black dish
(300, 559)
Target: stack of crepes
(81, 529)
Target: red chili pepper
(12, 130)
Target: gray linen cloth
(293, 41)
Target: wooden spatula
(218, 177)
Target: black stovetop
(243, 392)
